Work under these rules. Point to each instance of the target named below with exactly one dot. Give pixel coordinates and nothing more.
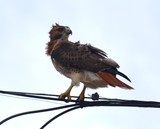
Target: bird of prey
(82, 63)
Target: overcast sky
(128, 30)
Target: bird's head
(59, 32)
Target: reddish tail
(112, 80)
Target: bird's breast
(89, 79)
(61, 69)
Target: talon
(65, 96)
(80, 98)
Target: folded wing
(86, 57)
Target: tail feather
(123, 75)
(115, 71)
(112, 80)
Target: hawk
(82, 63)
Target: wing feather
(85, 57)
(79, 56)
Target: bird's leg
(81, 96)
(66, 94)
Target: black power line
(35, 111)
(76, 105)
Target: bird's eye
(60, 29)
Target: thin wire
(105, 102)
(130, 103)
(35, 111)
(32, 95)
(58, 115)
(39, 95)
(30, 98)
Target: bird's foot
(65, 96)
(80, 98)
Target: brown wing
(78, 56)
(84, 57)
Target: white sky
(129, 31)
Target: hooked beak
(70, 32)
